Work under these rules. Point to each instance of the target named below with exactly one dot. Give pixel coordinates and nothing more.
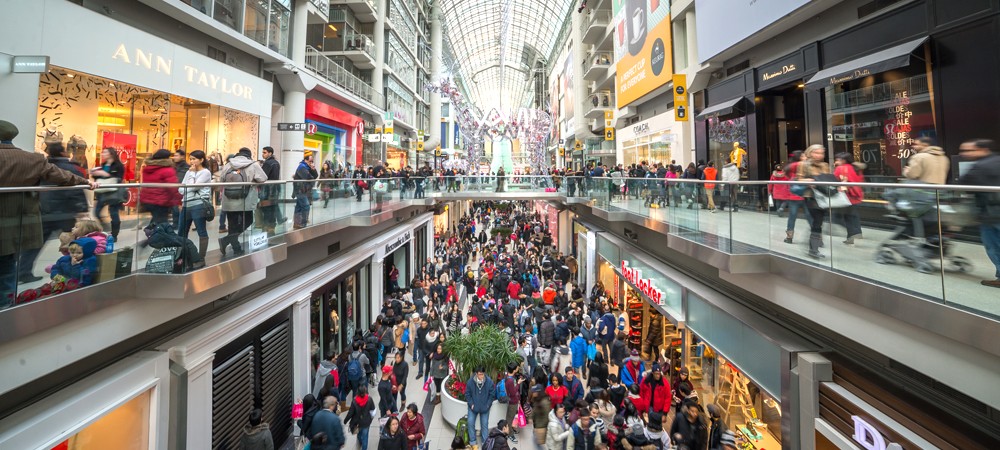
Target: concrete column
(381, 11)
(292, 142)
(199, 403)
(434, 134)
(688, 142)
(580, 90)
(812, 369)
(300, 22)
(692, 40)
(301, 343)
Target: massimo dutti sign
(788, 69)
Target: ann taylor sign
(165, 65)
(392, 246)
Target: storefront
(650, 140)
(858, 410)
(397, 255)
(136, 92)
(338, 137)
(549, 214)
(737, 359)
(122, 406)
(780, 108)
(339, 311)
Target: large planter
(453, 409)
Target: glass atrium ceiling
(495, 43)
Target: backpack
(489, 445)
(355, 373)
(462, 431)
(502, 391)
(235, 192)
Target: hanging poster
(643, 49)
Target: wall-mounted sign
(869, 438)
(680, 98)
(282, 126)
(609, 134)
(392, 246)
(644, 285)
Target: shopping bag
(770, 201)
(519, 420)
(837, 200)
(427, 384)
(591, 351)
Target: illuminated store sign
(869, 438)
(160, 64)
(644, 285)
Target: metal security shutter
(232, 398)
(276, 381)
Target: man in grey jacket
(239, 201)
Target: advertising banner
(724, 23)
(642, 47)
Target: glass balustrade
(919, 239)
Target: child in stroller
(916, 239)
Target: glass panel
(127, 426)
(278, 28)
(229, 13)
(255, 26)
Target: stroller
(915, 239)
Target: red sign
(644, 285)
(125, 145)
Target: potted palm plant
(488, 347)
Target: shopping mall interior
(782, 208)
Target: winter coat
(101, 240)
(414, 426)
(930, 166)
(499, 439)
(159, 171)
(83, 272)
(360, 413)
(693, 435)
(392, 442)
(480, 399)
(305, 423)
(851, 173)
(303, 172)
(710, 173)
(63, 205)
(657, 393)
(401, 371)
(619, 352)
(322, 372)
(811, 169)
(558, 432)
(986, 172)
(781, 191)
(256, 437)
(578, 350)
(252, 172)
(546, 333)
(327, 422)
(730, 172)
(439, 365)
(575, 391)
(598, 375)
(583, 439)
(606, 328)
(633, 370)
(540, 413)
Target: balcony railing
(604, 16)
(600, 59)
(602, 100)
(334, 73)
(323, 6)
(359, 42)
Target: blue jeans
(193, 214)
(302, 209)
(990, 235)
(363, 437)
(484, 426)
(793, 213)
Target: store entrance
(396, 267)
(781, 118)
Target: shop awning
(722, 109)
(888, 59)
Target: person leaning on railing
(20, 219)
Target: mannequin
(738, 156)
(77, 148)
(51, 135)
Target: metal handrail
(932, 187)
(337, 74)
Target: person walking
(400, 370)
(985, 172)
(814, 168)
(386, 393)
(303, 189)
(783, 199)
(256, 433)
(688, 428)
(730, 174)
(392, 437)
(480, 392)
(20, 216)
(159, 201)
(181, 167)
(929, 164)
(438, 371)
(710, 174)
(413, 426)
(111, 171)
(270, 195)
(850, 171)
(359, 416)
(512, 385)
(59, 210)
(559, 431)
(327, 422)
(239, 201)
(655, 389)
(196, 201)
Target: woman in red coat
(412, 424)
(655, 390)
(159, 200)
(851, 172)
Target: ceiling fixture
(332, 27)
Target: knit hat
(656, 367)
(7, 131)
(634, 352)
(728, 438)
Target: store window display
(126, 426)
(725, 140)
(878, 118)
(334, 318)
(654, 147)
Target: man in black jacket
(986, 172)
(270, 194)
(303, 189)
(688, 428)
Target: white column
(378, 285)
(199, 403)
(301, 345)
(434, 134)
(692, 39)
(580, 91)
(381, 11)
(292, 142)
(300, 22)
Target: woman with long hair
(113, 170)
(196, 200)
(392, 437)
(439, 370)
(159, 200)
(327, 174)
